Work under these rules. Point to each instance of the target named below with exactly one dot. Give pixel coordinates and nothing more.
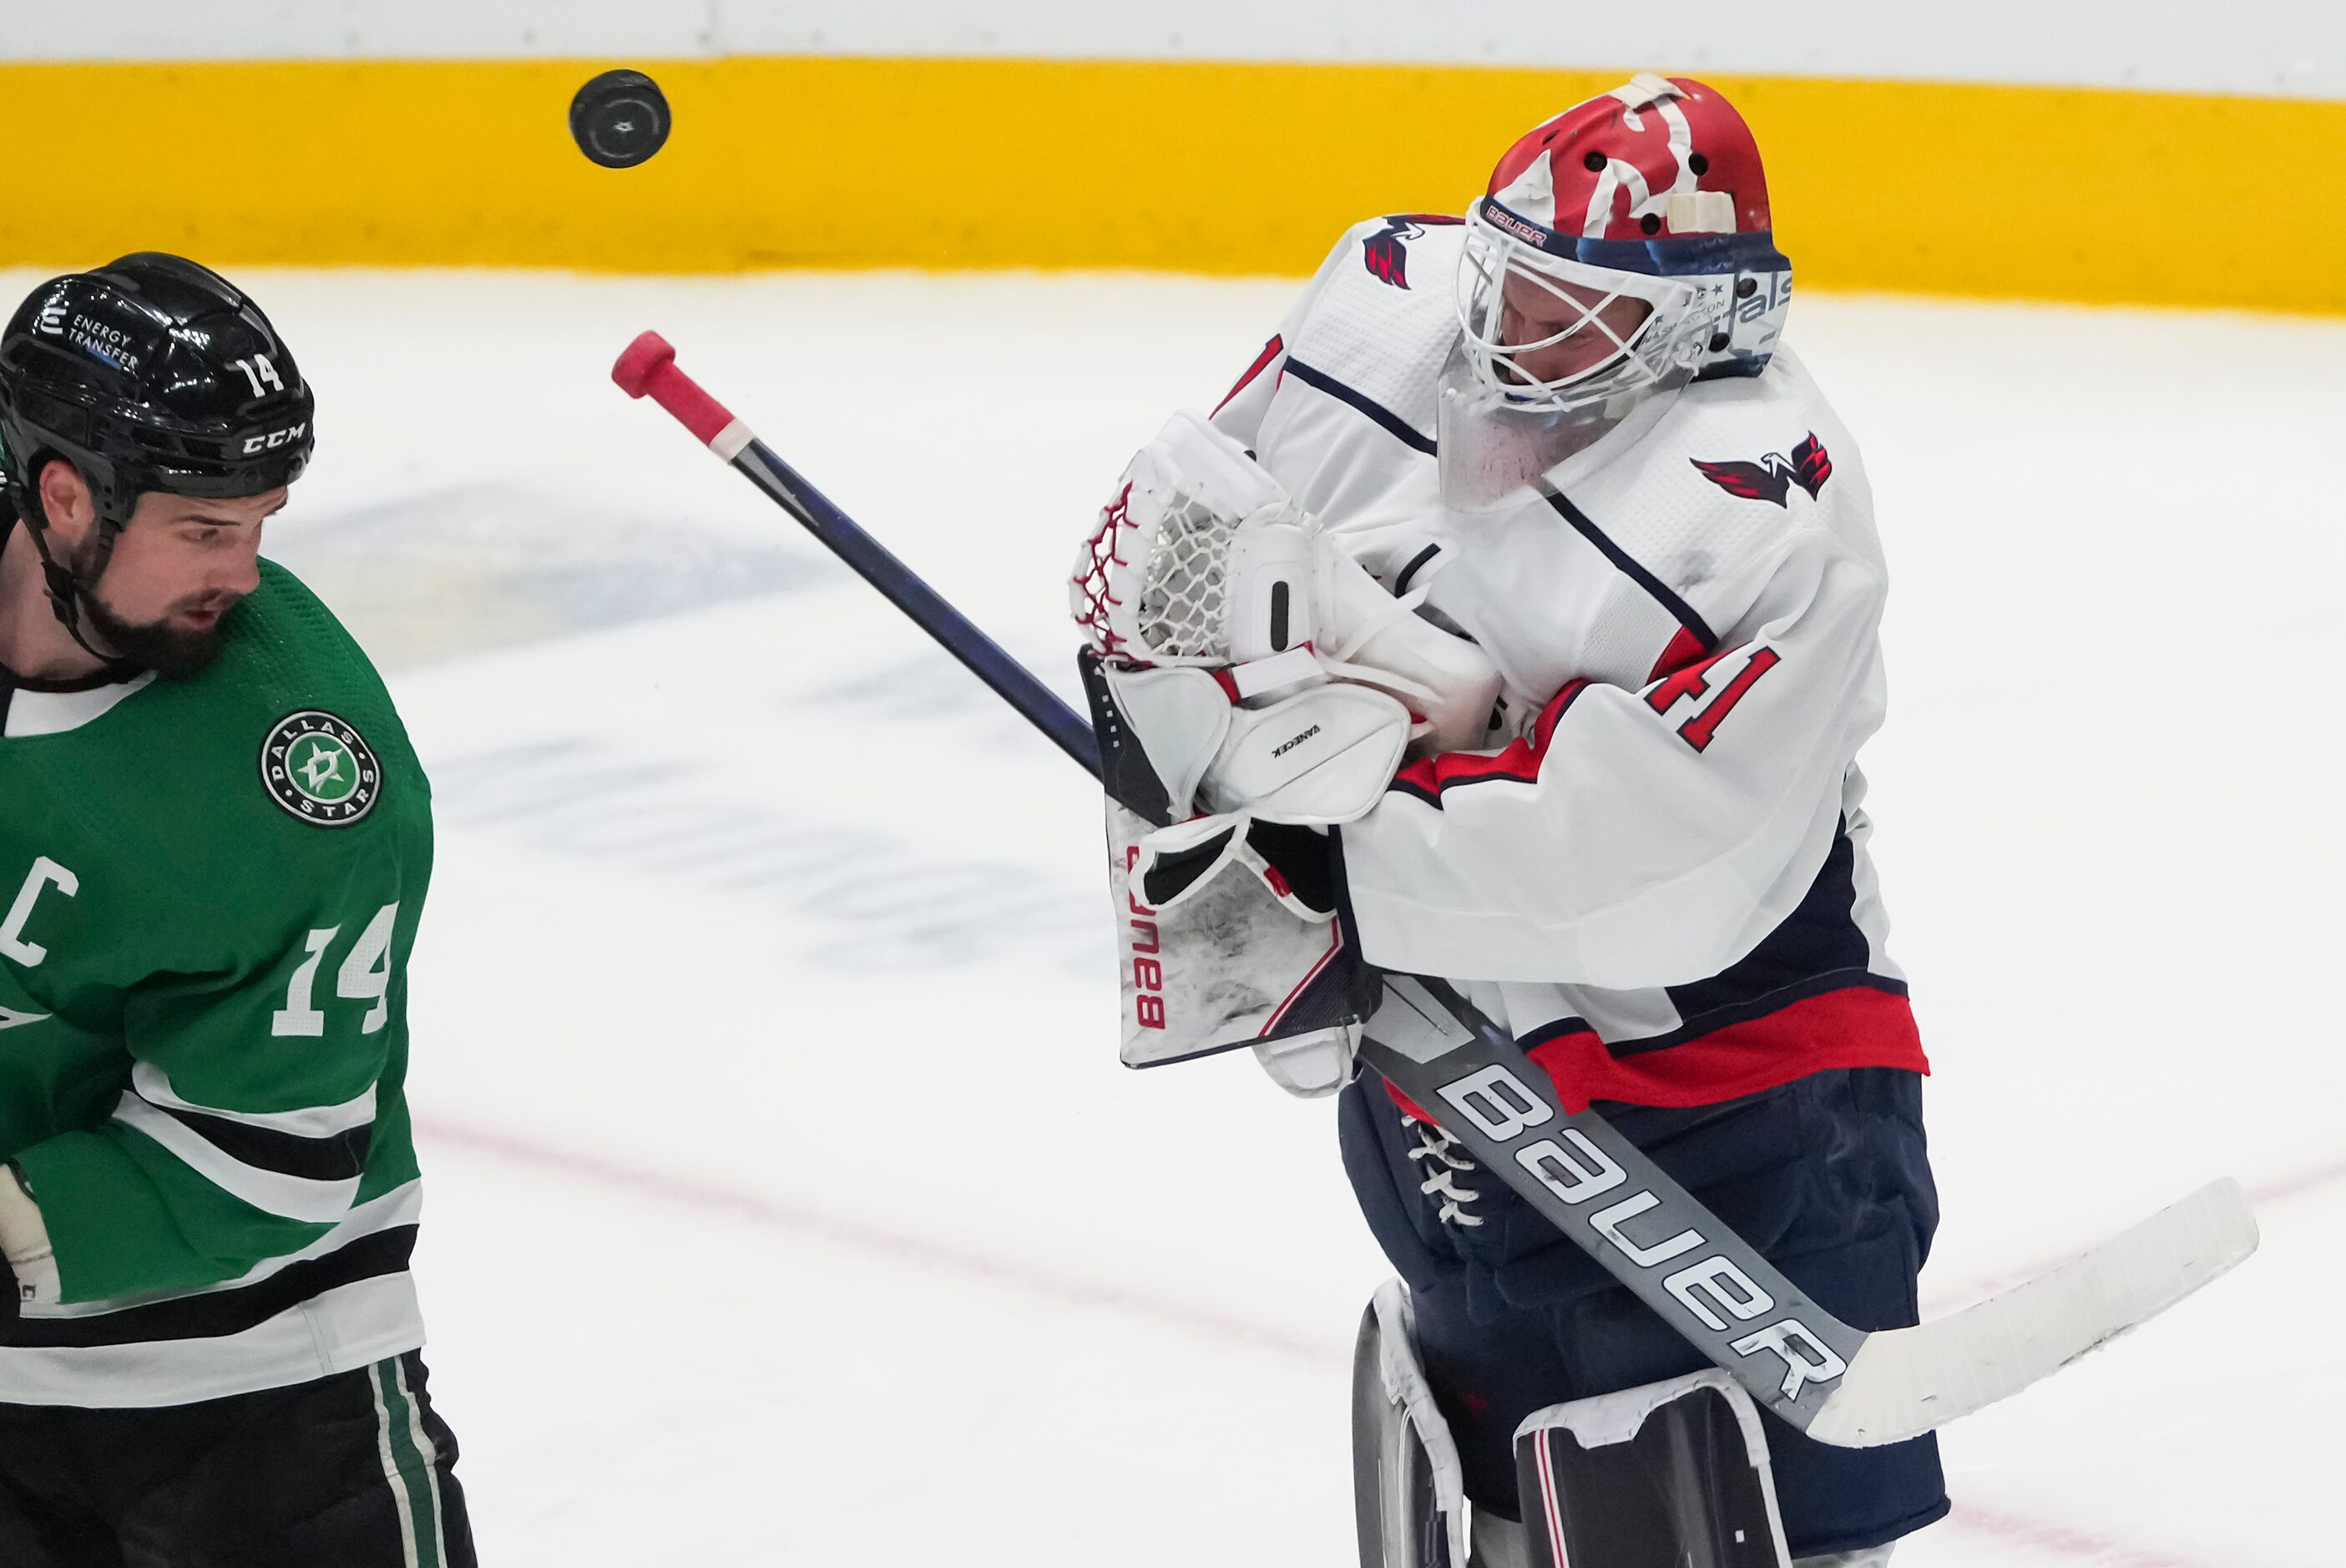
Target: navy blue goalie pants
(1827, 1175)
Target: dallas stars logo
(324, 768)
(319, 768)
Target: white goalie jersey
(1655, 870)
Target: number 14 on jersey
(365, 975)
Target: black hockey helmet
(149, 373)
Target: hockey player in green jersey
(214, 842)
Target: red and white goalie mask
(1622, 251)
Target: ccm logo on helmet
(275, 438)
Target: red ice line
(875, 1241)
(926, 1252)
(2056, 1539)
(2064, 1540)
(2286, 1188)
(2048, 1536)
(2280, 1189)
(1072, 1290)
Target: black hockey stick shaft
(649, 368)
(1582, 1174)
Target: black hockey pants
(354, 1470)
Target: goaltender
(214, 841)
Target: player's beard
(174, 653)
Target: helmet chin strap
(66, 592)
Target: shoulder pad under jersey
(1384, 314)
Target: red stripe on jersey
(1856, 1026)
(1270, 351)
(1428, 777)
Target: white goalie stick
(1848, 1387)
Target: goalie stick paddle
(1840, 1385)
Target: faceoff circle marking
(318, 768)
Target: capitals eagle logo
(1772, 477)
(1385, 253)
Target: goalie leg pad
(1672, 1474)
(1498, 1541)
(1409, 1494)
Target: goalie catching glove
(1202, 561)
(1253, 668)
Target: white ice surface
(787, 1202)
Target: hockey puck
(619, 119)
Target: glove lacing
(1439, 1149)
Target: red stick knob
(648, 369)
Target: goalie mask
(1622, 251)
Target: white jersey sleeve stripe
(154, 1085)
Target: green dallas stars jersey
(207, 893)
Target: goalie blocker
(1250, 685)
(1213, 961)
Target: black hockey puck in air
(619, 119)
